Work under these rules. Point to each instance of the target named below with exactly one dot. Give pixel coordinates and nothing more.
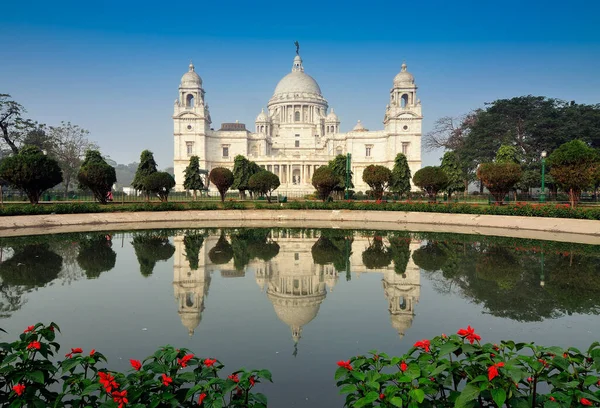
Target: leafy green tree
(31, 171)
(192, 178)
(499, 178)
(14, 127)
(149, 249)
(160, 183)
(222, 252)
(507, 154)
(400, 176)
(324, 180)
(451, 166)
(32, 265)
(377, 255)
(251, 243)
(338, 166)
(97, 175)
(264, 183)
(431, 180)
(192, 242)
(96, 255)
(573, 167)
(146, 167)
(222, 178)
(378, 178)
(243, 169)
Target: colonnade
(292, 173)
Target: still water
(295, 301)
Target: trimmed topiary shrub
(431, 180)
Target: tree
(324, 181)
(338, 166)
(192, 178)
(14, 127)
(243, 169)
(192, 242)
(451, 167)
(222, 178)
(377, 255)
(31, 171)
(32, 265)
(573, 167)
(499, 178)
(39, 137)
(146, 167)
(400, 176)
(222, 252)
(264, 182)
(160, 183)
(378, 178)
(70, 145)
(97, 175)
(96, 255)
(431, 179)
(507, 154)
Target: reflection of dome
(190, 320)
(401, 322)
(191, 79)
(297, 81)
(332, 117)
(404, 78)
(262, 117)
(296, 311)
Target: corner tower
(191, 120)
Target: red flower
(345, 364)
(252, 381)
(73, 351)
(585, 401)
(29, 329)
(92, 352)
(34, 345)
(201, 398)
(544, 362)
(469, 334)
(166, 380)
(381, 396)
(493, 370)
(424, 344)
(19, 389)
(209, 362)
(529, 379)
(120, 397)
(552, 399)
(184, 360)
(403, 366)
(234, 378)
(135, 364)
(107, 381)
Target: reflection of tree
(222, 252)
(248, 244)
(31, 266)
(96, 255)
(11, 299)
(504, 275)
(333, 247)
(192, 242)
(377, 255)
(151, 247)
(400, 250)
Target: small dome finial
(191, 66)
(403, 67)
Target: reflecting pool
(295, 301)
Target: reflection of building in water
(190, 286)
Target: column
(302, 180)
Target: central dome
(297, 81)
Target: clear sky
(113, 67)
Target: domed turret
(359, 127)
(332, 123)
(262, 117)
(404, 78)
(191, 79)
(332, 117)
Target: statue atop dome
(297, 44)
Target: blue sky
(114, 67)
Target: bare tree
(14, 127)
(449, 132)
(71, 145)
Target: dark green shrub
(97, 175)
(499, 178)
(222, 178)
(160, 183)
(431, 180)
(264, 183)
(324, 180)
(378, 178)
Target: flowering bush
(171, 377)
(459, 371)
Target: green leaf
(589, 380)
(367, 399)
(348, 388)
(499, 396)
(448, 348)
(468, 394)
(68, 364)
(417, 394)
(396, 401)
(358, 375)
(340, 372)
(35, 376)
(91, 388)
(413, 371)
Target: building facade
(297, 133)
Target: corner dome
(191, 79)
(262, 117)
(404, 78)
(332, 117)
(359, 128)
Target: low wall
(556, 229)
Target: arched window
(404, 100)
(189, 101)
(297, 116)
(402, 303)
(189, 299)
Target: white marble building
(297, 133)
